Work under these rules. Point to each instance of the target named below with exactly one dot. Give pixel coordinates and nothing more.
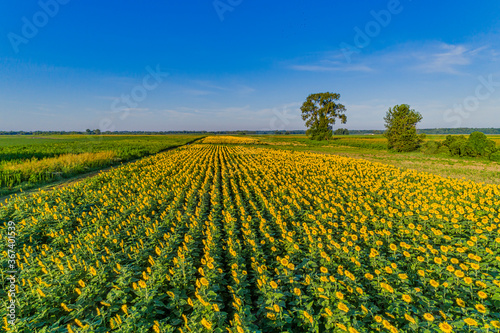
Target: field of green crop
(27, 161)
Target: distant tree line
(462, 130)
(365, 132)
(341, 131)
(98, 132)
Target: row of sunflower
(215, 238)
(227, 139)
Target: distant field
(26, 161)
(224, 139)
(374, 148)
(363, 141)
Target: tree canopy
(341, 131)
(401, 133)
(320, 112)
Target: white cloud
(197, 92)
(129, 111)
(107, 98)
(209, 84)
(208, 111)
(340, 68)
(231, 87)
(425, 57)
(42, 114)
(447, 58)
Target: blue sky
(241, 64)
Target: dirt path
(80, 177)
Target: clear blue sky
(242, 64)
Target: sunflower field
(227, 139)
(211, 238)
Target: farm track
(229, 238)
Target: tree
(401, 133)
(481, 145)
(320, 111)
(476, 145)
(341, 131)
(88, 131)
(97, 131)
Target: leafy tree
(401, 133)
(97, 131)
(481, 145)
(495, 156)
(88, 131)
(476, 145)
(320, 111)
(431, 147)
(451, 139)
(341, 131)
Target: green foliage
(320, 112)
(458, 146)
(477, 145)
(450, 139)
(459, 130)
(495, 156)
(401, 133)
(431, 147)
(341, 131)
(481, 145)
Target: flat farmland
(28, 161)
(374, 148)
(221, 237)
